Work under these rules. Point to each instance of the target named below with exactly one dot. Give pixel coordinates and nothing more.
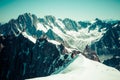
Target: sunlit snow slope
(84, 69)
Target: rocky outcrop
(53, 36)
(20, 58)
(90, 54)
(70, 24)
(113, 62)
(109, 45)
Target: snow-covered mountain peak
(84, 69)
(75, 34)
(50, 18)
(65, 39)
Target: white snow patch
(103, 30)
(115, 26)
(41, 27)
(104, 57)
(54, 42)
(93, 21)
(119, 38)
(69, 49)
(117, 57)
(29, 37)
(62, 57)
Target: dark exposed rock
(109, 44)
(70, 24)
(113, 62)
(90, 54)
(84, 24)
(21, 59)
(53, 36)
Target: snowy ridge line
(84, 69)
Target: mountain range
(37, 47)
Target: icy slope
(84, 69)
(80, 39)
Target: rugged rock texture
(90, 54)
(20, 58)
(113, 62)
(51, 35)
(70, 24)
(109, 45)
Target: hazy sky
(75, 9)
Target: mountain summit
(35, 47)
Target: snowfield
(84, 69)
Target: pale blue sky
(75, 9)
